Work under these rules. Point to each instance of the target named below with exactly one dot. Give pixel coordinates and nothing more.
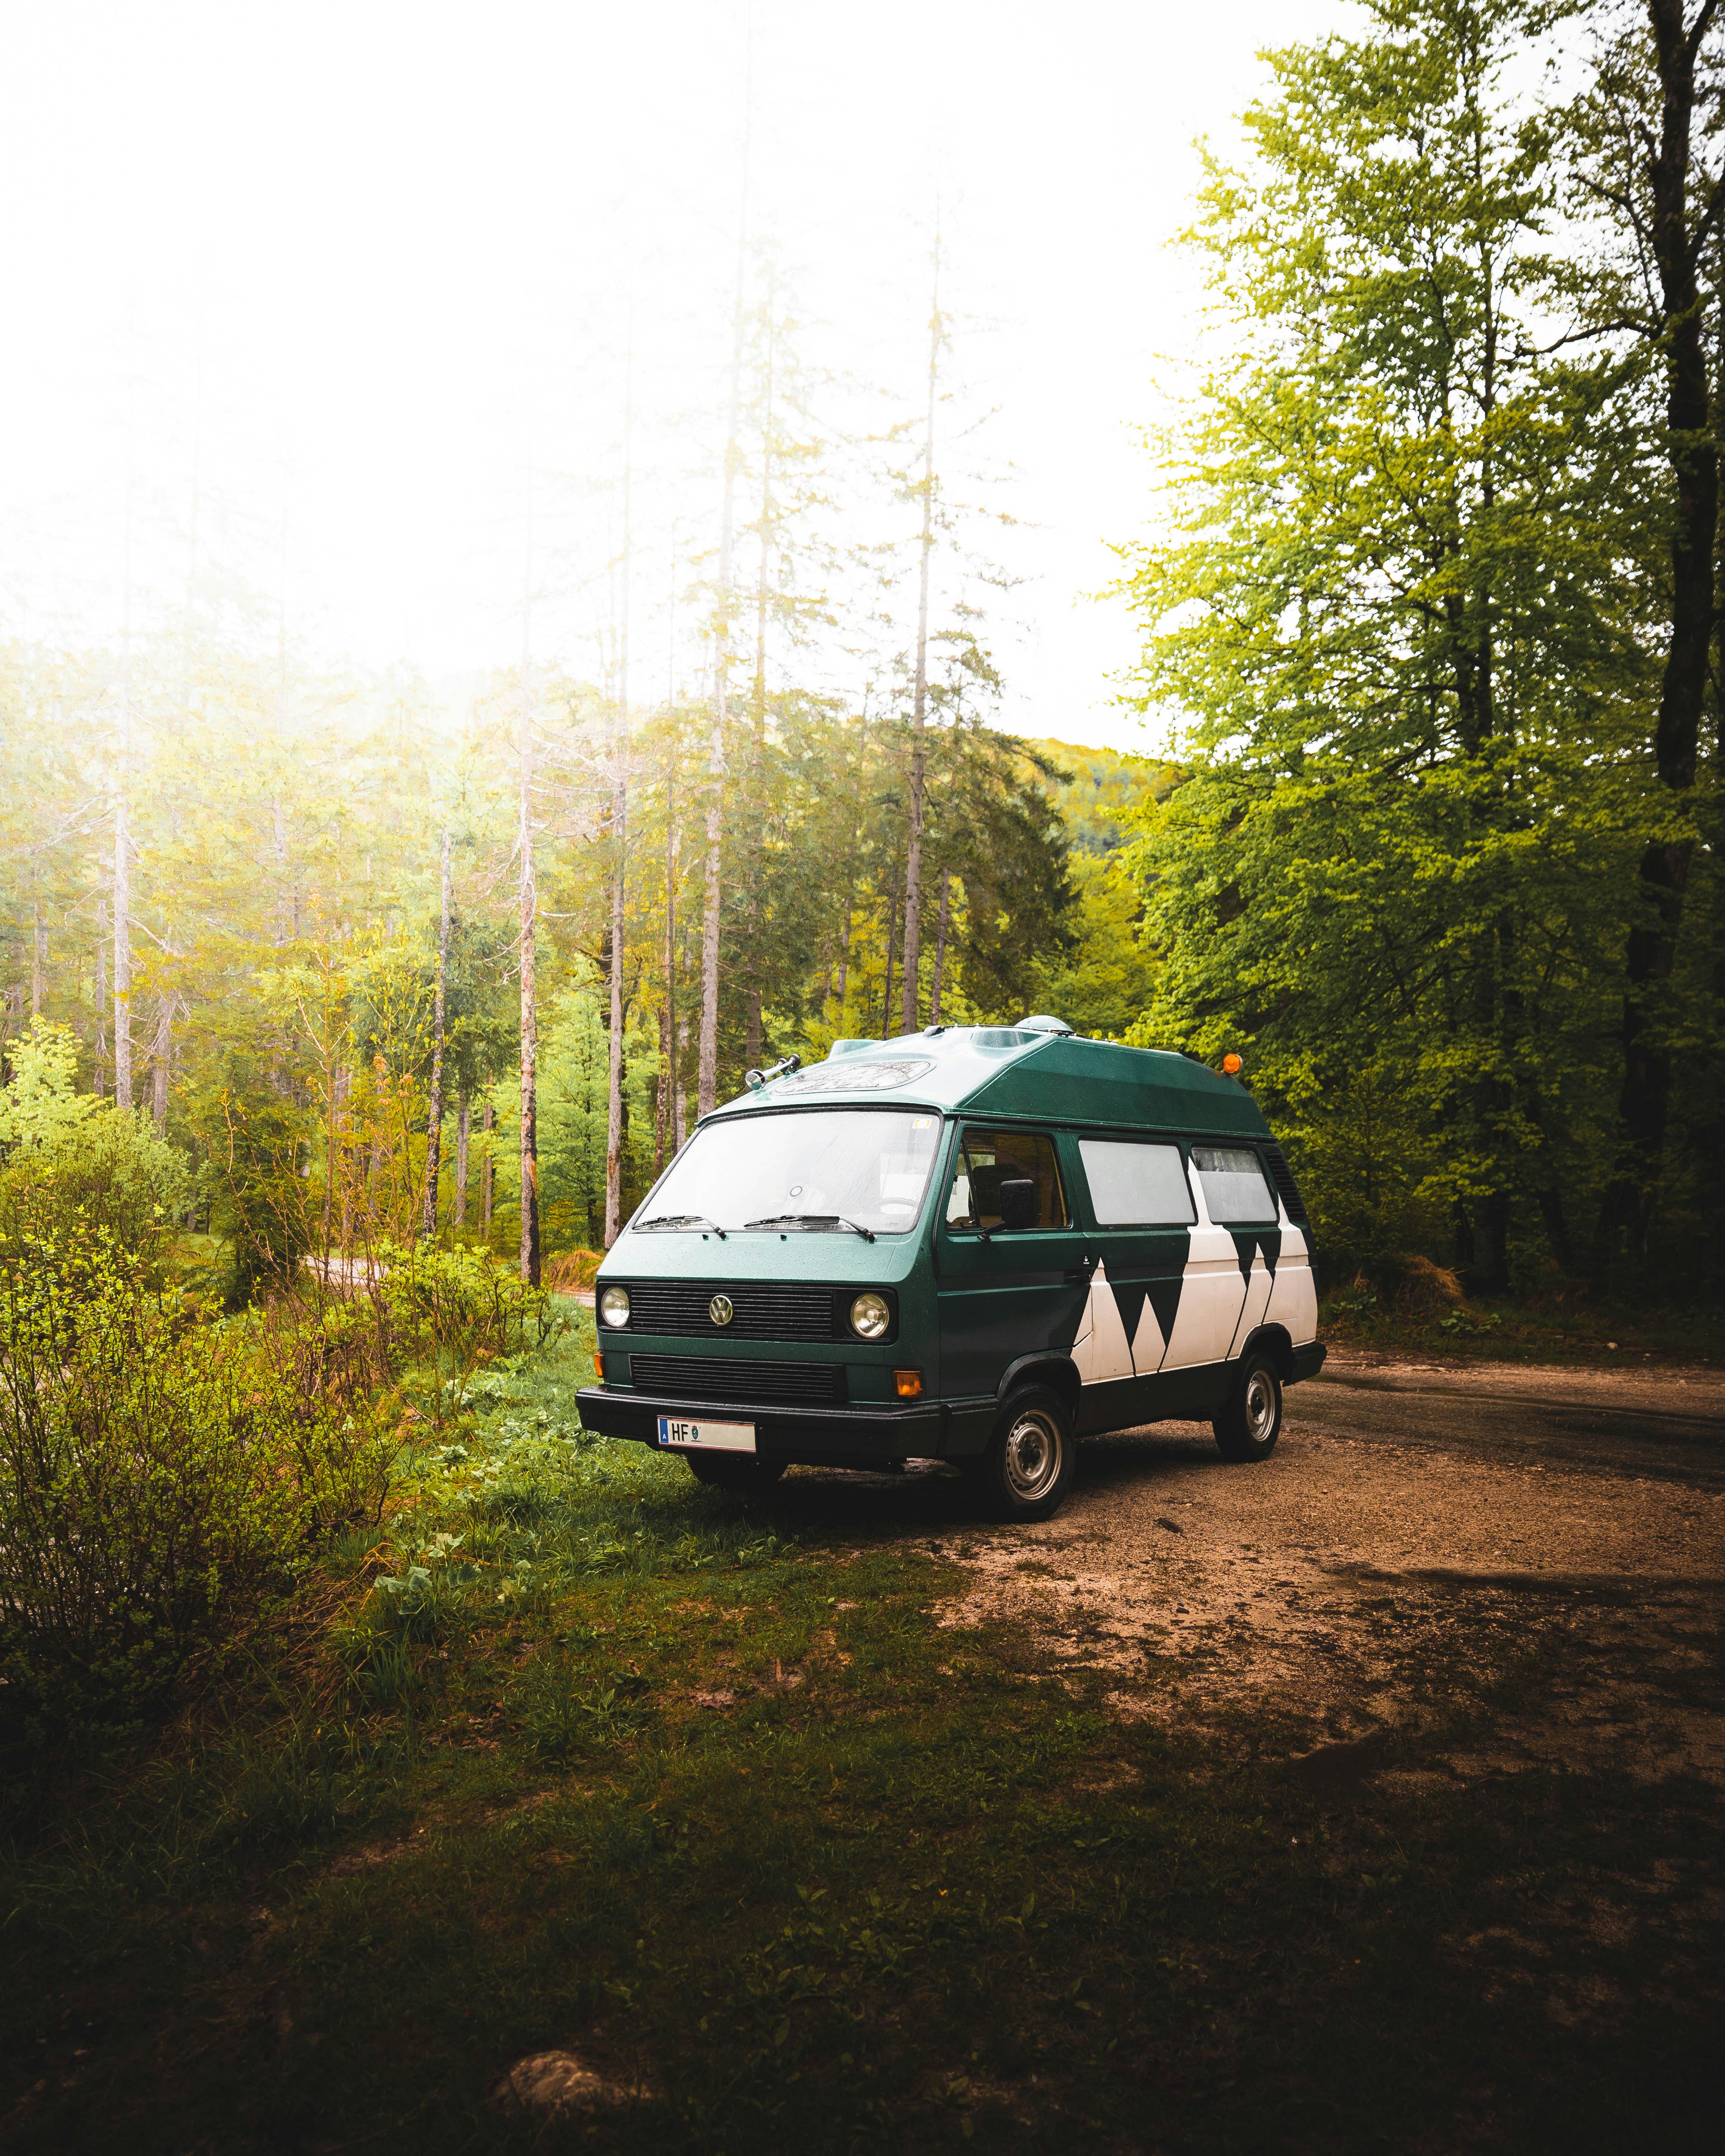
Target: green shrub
(76, 1166)
(160, 1478)
(450, 1310)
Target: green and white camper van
(974, 1243)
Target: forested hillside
(1431, 639)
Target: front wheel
(1250, 1424)
(740, 1472)
(1026, 1472)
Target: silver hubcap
(1035, 1449)
(1260, 1406)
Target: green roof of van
(1012, 1071)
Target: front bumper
(809, 1436)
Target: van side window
(1233, 1184)
(1136, 1186)
(988, 1159)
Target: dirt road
(1418, 1530)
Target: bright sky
(307, 300)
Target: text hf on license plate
(709, 1436)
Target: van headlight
(870, 1318)
(614, 1305)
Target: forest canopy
(1429, 626)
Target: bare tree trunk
(99, 1075)
(38, 957)
(530, 1018)
(707, 1081)
(434, 1106)
(619, 811)
(462, 1127)
(913, 860)
(488, 1123)
(668, 1007)
(122, 947)
(940, 947)
(891, 941)
(1678, 239)
(843, 961)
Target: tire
(1249, 1425)
(1027, 1467)
(740, 1472)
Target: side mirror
(1018, 1203)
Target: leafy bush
(75, 1165)
(450, 1310)
(252, 1142)
(159, 1477)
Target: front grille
(699, 1377)
(764, 1310)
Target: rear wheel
(1250, 1423)
(1027, 1467)
(742, 1472)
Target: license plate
(709, 1436)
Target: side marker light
(598, 1367)
(1230, 1064)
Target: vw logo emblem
(720, 1310)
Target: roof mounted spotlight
(1043, 1024)
(755, 1080)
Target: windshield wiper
(812, 1220)
(680, 1221)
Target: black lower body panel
(1193, 1395)
(810, 1436)
(1308, 1361)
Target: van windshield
(808, 1171)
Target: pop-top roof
(1010, 1071)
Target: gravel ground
(1421, 1527)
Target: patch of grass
(1562, 1326)
(701, 1792)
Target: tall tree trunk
(99, 1081)
(434, 1106)
(707, 1081)
(892, 941)
(755, 802)
(488, 1180)
(38, 957)
(844, 961)
(919, 707)
(463, 1127)
(661, 1105)
(668, 1007)
(1678, 240)
(619, 813)
(122, 945)
(529, 908)
(940, 948)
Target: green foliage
(158, 1478)
(1102, 985)
(574, 1115)
(1397, 616)
(254, 1142)
(40, 1107)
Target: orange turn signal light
(909, 1384)
(1230, 1064)
(598, 1367)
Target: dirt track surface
(1418, 1531)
